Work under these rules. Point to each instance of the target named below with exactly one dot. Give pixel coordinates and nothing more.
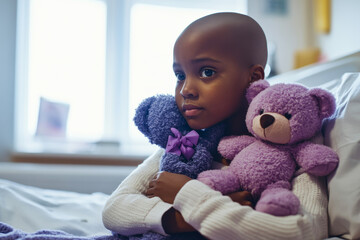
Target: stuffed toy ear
(326, 102)
(255, 88)
(141, 115)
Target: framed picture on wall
(52, 119)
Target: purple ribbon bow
(184, 145)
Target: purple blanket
(9, 233)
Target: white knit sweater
(215, 216)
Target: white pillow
(342, 133)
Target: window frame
(117, 68)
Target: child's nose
(189, 89)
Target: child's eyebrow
(205, 59)
(176, 65)
(198, 60)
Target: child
(215, 60)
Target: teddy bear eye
(287, 115)
(261, 111)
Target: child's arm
(166, 185)
(128, 211)
(217, 217)
(174, 222)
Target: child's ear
(257, 72)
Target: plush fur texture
(282, 118)
(155, 117)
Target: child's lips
(191, 110)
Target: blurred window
(91, 62)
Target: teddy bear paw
(324, 169)
(278, 202)
(206, 178)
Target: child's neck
(236, 126)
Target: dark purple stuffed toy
(282, 118)
(187, 151)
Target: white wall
(344, 36)
(289, 32)
(296, 29)
(7, 75)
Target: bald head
(235, 34)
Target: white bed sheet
(31, 209)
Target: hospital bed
(74, 201)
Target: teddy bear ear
(142, 114)
(255, 88)
(326, 102)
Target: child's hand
(244, 198)
(173, 222)
(166, 185)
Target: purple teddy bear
(188, 152)
(281, 118)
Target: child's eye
(180, 76)
(205, 73)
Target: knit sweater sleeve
(128, 211)
(217, 217)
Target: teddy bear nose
(266, 120)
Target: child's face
(211, 81)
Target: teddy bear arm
(224, 181)
(316, 159)
(231, 145)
